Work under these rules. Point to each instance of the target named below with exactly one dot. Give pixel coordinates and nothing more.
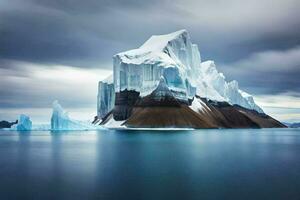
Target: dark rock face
(167, 117)
(161, 109)
(124, 103)
(215, 115)
(6, 124)
(107, 117)
(261, 119)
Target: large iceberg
(106, 97)
(172, 56)
(24, 123)
(178, 60)
(60, 120)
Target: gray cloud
(27, 85)
(267, 72)
(84, 33)
(248, 39)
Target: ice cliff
(212, 85)
(60, 120)
(178, 60)
(106, 97)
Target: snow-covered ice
(176, 58)
(112, 123)
(196, 105)
(172, 55)
(212, 85)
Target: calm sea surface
(203, 164)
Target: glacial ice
(106, 97)
(162, 91)
(178, 60)
(168, 55)
(60, 120)
(218, 89)
(24, 123)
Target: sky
(60, 49)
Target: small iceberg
(24, 123)
(60, 121)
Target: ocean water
(202, 164)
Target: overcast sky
(59, 49)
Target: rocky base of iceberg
(161, 109)
(212, 115)
(124, 103)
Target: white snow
(196, 105)
(199, 106)
(112, 123)
(109, 79)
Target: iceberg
(172, 56)
(178, 60)
(106, 97)
(24, 123)
(60, 121)
(216, 88)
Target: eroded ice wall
(106, 97)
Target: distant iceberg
(24, 123)
(60, 121)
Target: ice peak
(173, 34)
(162, 80)
(153, 48)
(159, 42)
(162, 85)
(58, 108)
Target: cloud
(44, 44)
(30, 88)
(284, 107)
(285, 100)
(269, 72)
(39, 85)
(86, 33)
